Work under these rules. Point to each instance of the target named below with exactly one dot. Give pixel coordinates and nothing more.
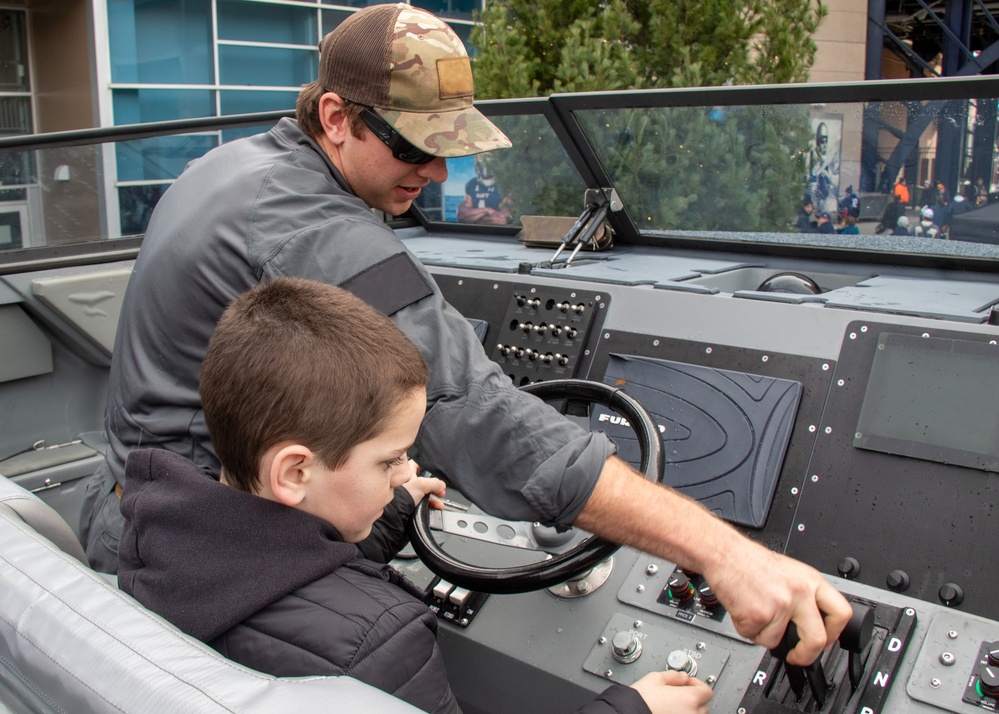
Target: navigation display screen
(933, 399)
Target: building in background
(74, 64)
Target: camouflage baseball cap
(410, 67)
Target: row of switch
(541, 328)
(532, 355)
(564, 306)
(454, 604)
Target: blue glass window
(257, 22)
(332, 19)
(240, 102)
(135, 206)
(267, 66)
(134, 106)
(160, 158)
(161, 41)
(450, 8)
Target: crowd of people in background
(925, 211)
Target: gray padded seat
(72, 642)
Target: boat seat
(70, 641)
(41, 517)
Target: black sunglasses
(401, 149)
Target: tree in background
(731, 168)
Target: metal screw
(711, 679)
(934, 682)
(952, 634)
(811, 428)
(651, 569)
(741, 710)
(638, 624)
(853, 335)
(863, 328)
(464, 621)
(609, 673)
(801, 526)
(602, 640)
(946, 659)
(909, 611)
(707, 350)
(794, 490)
(828, 430)
(701, 645)
(655, 343)
(640, 589)
(765, 358)
(840, 382)
(815, 478)
(926, 334)
(825, 367)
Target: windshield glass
(886, 168)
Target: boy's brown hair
(296, 359)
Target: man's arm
(762, 590)
(467, 213)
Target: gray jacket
(273, 204)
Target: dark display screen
(934, 399)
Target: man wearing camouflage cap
(392, 101)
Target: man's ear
(333, 118)
(289, 472)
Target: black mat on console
(725, 432)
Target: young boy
(312, 399)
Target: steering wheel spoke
(513, 534)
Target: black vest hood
(206, 556)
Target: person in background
(849, 225)
(902, 191)
(889, 217)
(849, 205)
(824, 224)
(483, 202)
(901, 226)
(805, 216)
(926, 228)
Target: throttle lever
(797, 675)
(854, 639)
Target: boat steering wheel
(561, 566)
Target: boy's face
(354, 496)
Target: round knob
(680, 587)
(625, 647)
(994, 656)
(708, 596)
(897, 581)
(680, 661)
(849, 568)
(951, 594)
(988, 682)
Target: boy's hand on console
(674, 693)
